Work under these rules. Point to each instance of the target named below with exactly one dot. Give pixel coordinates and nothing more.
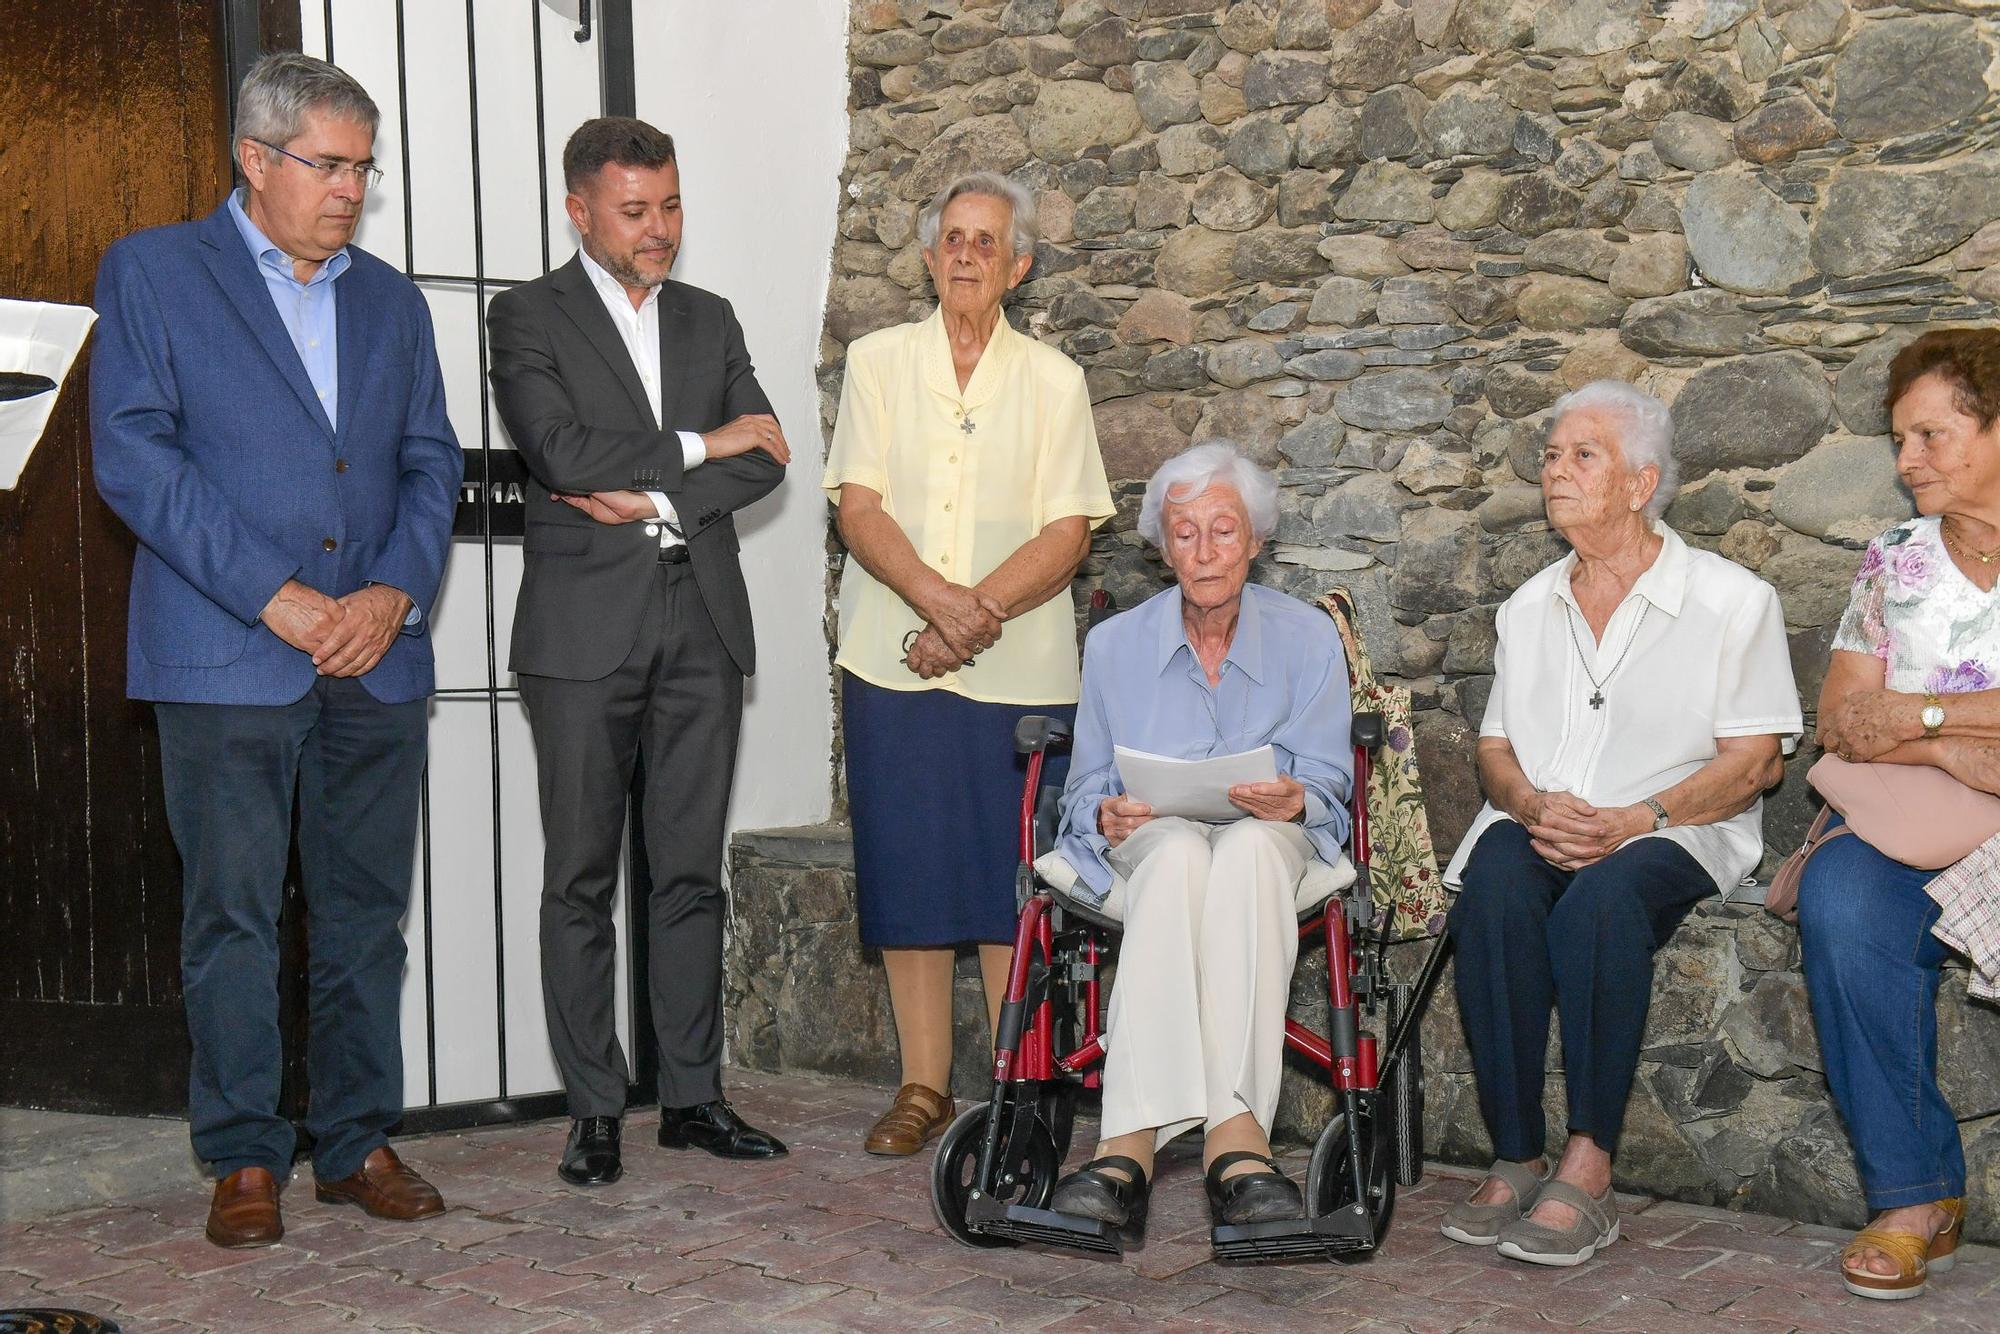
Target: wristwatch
(1932, 716)
(1659, 814)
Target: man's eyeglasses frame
(366, 174)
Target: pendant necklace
(965, 422)
(1597, 686)
(1971, 553)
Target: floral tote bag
(1403, 868)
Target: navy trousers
(232, 770)
(1530, 936)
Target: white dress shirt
(1696, 651)
(639, 328)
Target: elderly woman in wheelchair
(1213, 666)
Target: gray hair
(1192, 471)
(1647, 436)
(1020, 203)
(282, 87)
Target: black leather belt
(677, 554)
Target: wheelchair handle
(1039, 732)
(1368, 732)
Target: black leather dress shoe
(715, 1126)
(1092, 1192)
(591, 1157)
(1251, 1197)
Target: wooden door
(116, 118)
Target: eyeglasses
(366, 174)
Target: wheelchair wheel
(1406, 1094)
(1057, 1110)
(1027, 1173)
(1330, 1178)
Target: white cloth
(1196, 1033)
(639, 329)
(39, 339)
(1704, 656)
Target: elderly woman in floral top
(1911, 682)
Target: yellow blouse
(969, 476)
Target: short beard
(627, 272)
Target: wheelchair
(997, 1164)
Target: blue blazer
(209, 442)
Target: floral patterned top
(1934, 629)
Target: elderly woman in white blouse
(1642, 700)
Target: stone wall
(1374, 239)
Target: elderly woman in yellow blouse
(966, 471)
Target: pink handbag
(1917, 814)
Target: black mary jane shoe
(1091, 1192)
(1251, 1197)
(591, 1156)
(716, 1127)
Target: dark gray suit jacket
(574, 405)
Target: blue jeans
(1530, 936)
(1871, 966)
(231, 772)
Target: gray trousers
(676, 700)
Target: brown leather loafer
(384, 1188)
(918, 1116)
(244, 1211)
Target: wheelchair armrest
(1039, 732)
(1367, 731)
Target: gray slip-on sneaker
(1596, 1227)
(1480, 1224)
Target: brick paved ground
(831, 1239)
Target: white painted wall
(761, 175)
(755, 94)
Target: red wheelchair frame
(997, 1164)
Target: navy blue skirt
(934, 790)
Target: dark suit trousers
(231, 770)
(677, 700)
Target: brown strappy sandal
(1915, 1259)
(918, 1116)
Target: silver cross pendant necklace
(965, 422)
(1596, 686)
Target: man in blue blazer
(268, 417)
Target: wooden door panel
(117, 120)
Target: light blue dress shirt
(307, 308)
(1284, 682)
(310, 314)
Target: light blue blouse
(1284, 682)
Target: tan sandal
(1915, 1259)
(918, 1116)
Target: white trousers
(1197, 1026)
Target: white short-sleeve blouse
(1696, 651)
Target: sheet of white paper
(1193, 789)
(41, 339)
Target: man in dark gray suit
(635, 405)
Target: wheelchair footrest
(1046, 1227)
(1348, 1232)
